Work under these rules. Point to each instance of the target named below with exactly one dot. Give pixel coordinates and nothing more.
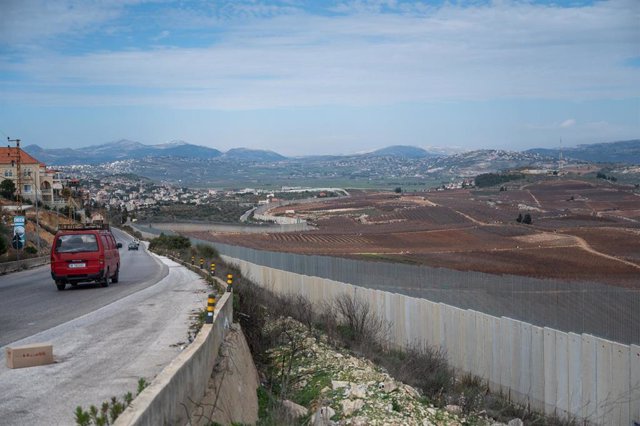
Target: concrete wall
(552, 371)
(173, 392)
(19, 265)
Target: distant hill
(245, 154)
(627, 152)
(119, 150)
(403, 151)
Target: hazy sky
(315, 77)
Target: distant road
(30, 302)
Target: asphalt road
(136, 328)
(30, 302)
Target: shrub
(4, 246)
(358, 320)
(207, 251)
(170, 242)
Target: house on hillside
(36, 179)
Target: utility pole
(18, 171)
(36, 184)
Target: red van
(84, 253)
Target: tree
(527, 219)
(519, 218)
(398, 190)
(7, 188)
(4, 246)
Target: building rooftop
(7, 155)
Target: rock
(349, 407)
(358, 391)
(360, 421)
(338, 355)
(515, 422)
(454, 409)
(411, 391)
(336, 384)
(389, 386)
(294, 411)
(432, 411)
(322, 417)
(426, 422)
(498, 424)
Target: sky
(320, 77)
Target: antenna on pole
(561, 158)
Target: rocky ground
(326, 386)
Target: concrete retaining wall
(19, 265)
(183, 382)
(552, 371)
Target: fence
(552, 371)
(604, 311)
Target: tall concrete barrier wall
(175, 391)
(556, 372)
(605, 311)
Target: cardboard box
(29, 355)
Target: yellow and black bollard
(229, 281)
(211, 303)
(213, 269)
(193, 260)
(202, 263)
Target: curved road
(30, 302)
(104, 339)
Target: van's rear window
(76, 243)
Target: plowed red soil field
(581, 230)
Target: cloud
(372, 53)
(31, 21)
(568, 123)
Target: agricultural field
(581, 230)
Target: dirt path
(534, 198)
(583, 244)
(580, 242)
(476, 221)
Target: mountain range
(614, 152)
(627, 152)
(131, 150)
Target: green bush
(4, 246)
(31, 250)
(207, 251)
(170, 242)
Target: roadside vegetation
(109, 411)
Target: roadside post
(212, 269)
(229, 282)
(193, 260)
(202, 263)
(211, 303)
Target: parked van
(84, 253)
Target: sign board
(19, 234)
